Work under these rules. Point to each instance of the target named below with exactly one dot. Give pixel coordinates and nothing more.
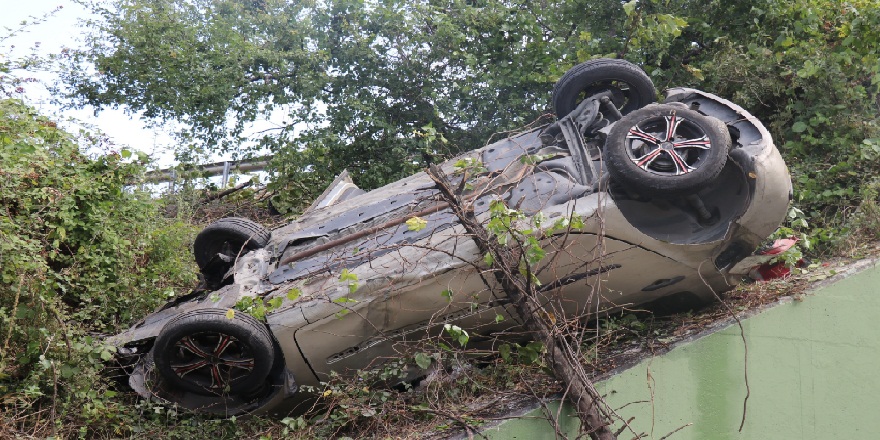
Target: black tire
(630, 87)
(231, 236)
(666, 151)
(205, 352)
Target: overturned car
(669, 197)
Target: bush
(79, 254)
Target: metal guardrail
(210, 170)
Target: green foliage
(79, 254)
(469, 165)
(351, 279)
(72, 228)
(423, 360)
(353, 404)
(502, 222)
(258, 306)
(797, 223)
(457, 334)
(627, 321)
(867, 217)
(526, 235)
(527, 354)
(368, 83)
(448, 294)
(416, 224)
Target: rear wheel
(207, 352)
(666, 151)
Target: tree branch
(224, 193)
(564, 364)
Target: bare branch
(559, 355)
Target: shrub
(80, 254)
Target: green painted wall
(814, 373)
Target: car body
(351, 284)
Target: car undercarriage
(660, 202)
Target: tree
(15, 69)
(354, 79)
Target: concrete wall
(813, 370)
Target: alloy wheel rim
(211, 360)
(669, 145)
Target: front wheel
(228, 237)
(666, 150)
(628, 85)
(221, 243)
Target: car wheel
(629, 86)
(666, 150)
(210, 353)
(230, 237)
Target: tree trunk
(565, 364)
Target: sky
(62, 30)
(126, 131)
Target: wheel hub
(667, 145)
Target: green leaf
(293, 294)
(531, 352)
(457, 333)
(230, 314)
(504, 351)
(347, 276)
(68, 371)
(799, 127)
(351, 278)
(423, 360)
(274, 303)
(447, 294)
(532, 159)
(416, 224)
